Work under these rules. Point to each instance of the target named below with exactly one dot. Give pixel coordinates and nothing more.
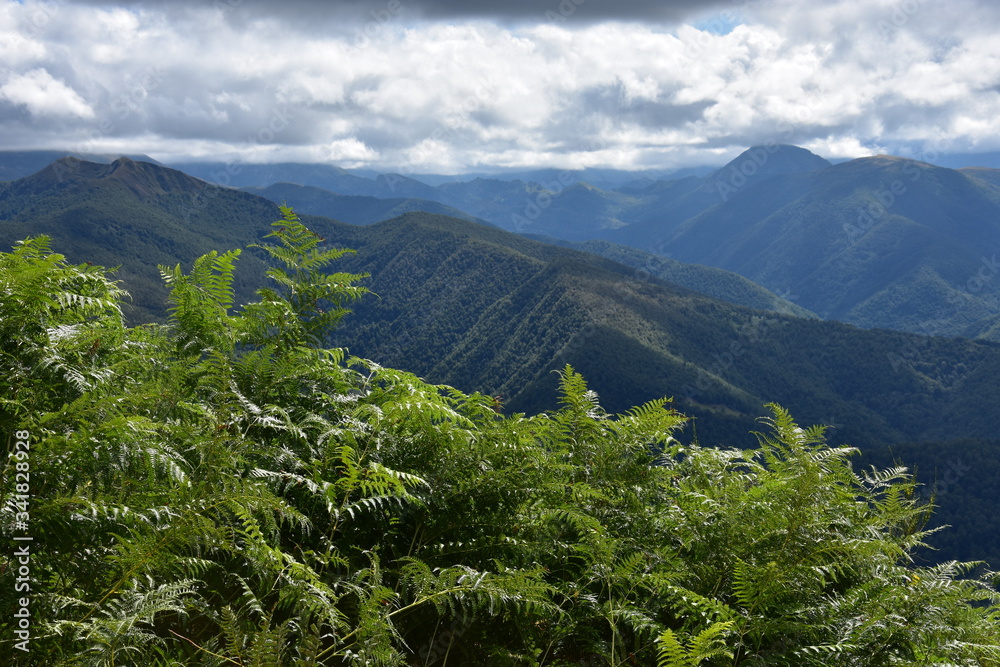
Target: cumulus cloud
(430, 85)
(42, 95)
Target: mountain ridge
(484, 309)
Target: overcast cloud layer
(450, 86)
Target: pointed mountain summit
(143, 179)
(671, 203)
(19, 164)
(772, 159)
(759, 163)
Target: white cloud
(44, 95)
(349, 150)
(840, 76)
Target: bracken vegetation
(224, 490)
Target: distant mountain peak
(771, 160)
(143, 178)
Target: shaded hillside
(562, 207)
(962, 478)
(484, 309)
(477, 307)
(134, 215)
(327, 177)
(708, 280)
(879, 242)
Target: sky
(451, 86)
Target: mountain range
(472, 300)
(878, 242)
(481, 308)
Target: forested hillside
(134, 215)
(225, 489)
(723, 285)
(486, 310)
(877, 242)
(480, 308)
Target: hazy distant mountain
(356, 210)
(832, 238)
(323, 176)
(708, 280)
(606, 179)
(675, 202)
(18, 164)
(879, 242)
(575, 205)
(557, 203)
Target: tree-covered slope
(134, 215)
(878, 242)
(708, 280)
(484, 309)
(962, 479)
(478, 307)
